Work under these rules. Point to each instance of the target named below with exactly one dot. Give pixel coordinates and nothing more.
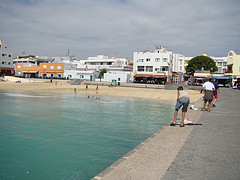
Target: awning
(186, 75)
(160, 76)
(175, 74)
(144, 75)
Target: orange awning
(144, 75)
(160, 76)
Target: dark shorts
(208, 96)
(182, 102)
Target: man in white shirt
(208, 88)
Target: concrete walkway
(212, 151)
(151, 159)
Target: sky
(120, 27)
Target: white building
(65, 59)
(102, 62)
(153, 66)
(31, 60)
(221, 63)
(78, 74)
(117, 68)
(6, 60)
(178, 63)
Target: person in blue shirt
(215, 92)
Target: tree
(201, 62)
(102, 72)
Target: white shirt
(183, 93)
(208, 86)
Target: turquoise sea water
(67, 136)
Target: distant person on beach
(86, 86)
(182, 101)
(75, 90)
(208, 89)
(215, 92)
(97, 89)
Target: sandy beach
(118, 91)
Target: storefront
(150, 79)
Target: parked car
(196, 81)
(237, 84)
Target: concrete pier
(210, 151)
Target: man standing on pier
(208, 89)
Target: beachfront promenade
(210, 151)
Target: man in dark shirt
(215, 93)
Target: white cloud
(119, 27)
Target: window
(59, 67)
(9, 55)
(165, 60)
(81, 76)
(219, 63)
(140, 60)
(157, 59)
(149, 69)
(164, 68)
(140, 68)
(180, 68)
(44, 66)
(219, 69)
(180, 62)
(18, 66)
(9, 63)
(2, 62)
(2, 54)
(52, 67)
(157, 69)
(224, 63)
(147, 59)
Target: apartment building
(110, 63)
(44, 70)
(221, 63)
(116, 67)
(153, 66)
(6, 60)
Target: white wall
(76, 74)
(109, 77)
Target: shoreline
(116, 91)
